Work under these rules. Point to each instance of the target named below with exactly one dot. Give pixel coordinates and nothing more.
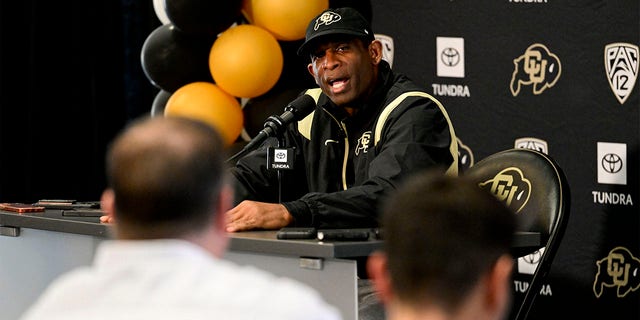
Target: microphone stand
(273, 127)
(280, 158)
(279, 145)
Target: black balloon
(203, 17)
(171, 59)
(159, 102)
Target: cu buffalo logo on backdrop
(537, 67)
(620, 270)
(465, 156)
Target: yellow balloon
(287, 20)
(208, 103)
(246, 61)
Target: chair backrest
(536, 189)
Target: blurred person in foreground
(368, 130)
(446, 252)
(168, 194)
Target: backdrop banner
(555, 76)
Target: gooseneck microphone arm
(275, 125)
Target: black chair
(535, 188)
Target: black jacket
(326, 190)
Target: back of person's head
(165, 174)
(441, 235)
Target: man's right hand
(257, 215)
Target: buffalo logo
(621, 65)
(510, 186)
(326, 19)
(532, 144)
(537, 67)
(363, 143)
(465, 156)
(619, 269)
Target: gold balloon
(246, 61)
(208, 103)
(287, 20)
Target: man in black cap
(370, 129)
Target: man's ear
(218, 239)
(225, 203)
(499, 288)
(379, 275)
(312, 72)
(107, 203)
(375, 51)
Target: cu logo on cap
(327, 18)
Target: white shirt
(174, 279)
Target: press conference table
(37, 247)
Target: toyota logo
(450, 57)
(611, 163)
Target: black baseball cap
(341, 21)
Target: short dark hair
(166, 173)
(441, 234)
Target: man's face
(345, 70)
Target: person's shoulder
(64, 291)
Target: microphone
(294, 111)
(274, 125)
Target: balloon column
(225, 62)
(207, 102)
(246, 61)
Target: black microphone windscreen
(301, 106)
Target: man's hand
(107, 219)
(257, 215)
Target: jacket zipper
(345, 156)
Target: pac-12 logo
(621, 65)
